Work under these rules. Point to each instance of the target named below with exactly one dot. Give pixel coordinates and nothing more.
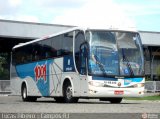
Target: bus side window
(37, 52)
(56, 45)
(23, 55)
(16, 57)
(67, 44)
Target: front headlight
(139, 85)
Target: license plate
(118, 92)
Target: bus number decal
(40, 72)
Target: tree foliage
(4, 70)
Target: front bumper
(115, 92)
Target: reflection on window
(103, 54)
(79, 52)
(54, 47)
(130, 54)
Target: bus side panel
(15, 82)
(45, 78)
(60, 70)
(74, 80)
(36, 76)
(70, 73)
(55, 77)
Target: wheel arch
(24, 83)
(67, 80)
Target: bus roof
(69, 30)
(45, 37)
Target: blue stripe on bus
(127, 81)
(39, 72)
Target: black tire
(32, 99)
(24, 95)
(68, 93)
(115, 100)
(59, 99)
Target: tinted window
(37, 52)
(67, 44)
(57, 46)
(48, 51)
(22, 54)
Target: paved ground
(13, 104)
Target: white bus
(77, 63)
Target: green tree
(4, 72)
(2, 61)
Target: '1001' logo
(40, 72)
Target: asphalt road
(14, 104)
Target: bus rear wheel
(68, 93)
(24, 95)
(59, 99)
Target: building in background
(151, 46)
(14, 32)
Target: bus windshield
(115, 53)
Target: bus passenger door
(83, 69)
(80, 60)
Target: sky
(139, 14)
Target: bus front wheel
(115, 100)
(68, 93)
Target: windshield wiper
(101, 65)
(125, 59)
